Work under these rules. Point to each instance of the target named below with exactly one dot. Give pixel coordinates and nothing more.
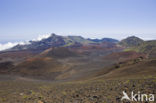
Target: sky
(26, 19)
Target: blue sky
(26, 19)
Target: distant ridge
(60, 41)
(104, 40)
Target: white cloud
(12, 44)
(7, 45)
(40, 37)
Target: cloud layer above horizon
(12, 44)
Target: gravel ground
(101, 91)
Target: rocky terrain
(99, 91)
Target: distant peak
(52, 34)
(132, 37)
(131, 41)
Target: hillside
(131, 69)
(148, 47)
(131, 42)
(138, 45)
(61, 63)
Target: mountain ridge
(60, 41)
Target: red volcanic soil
(124, 56)
(38, 67)
(102, 47)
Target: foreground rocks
(109, 91)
